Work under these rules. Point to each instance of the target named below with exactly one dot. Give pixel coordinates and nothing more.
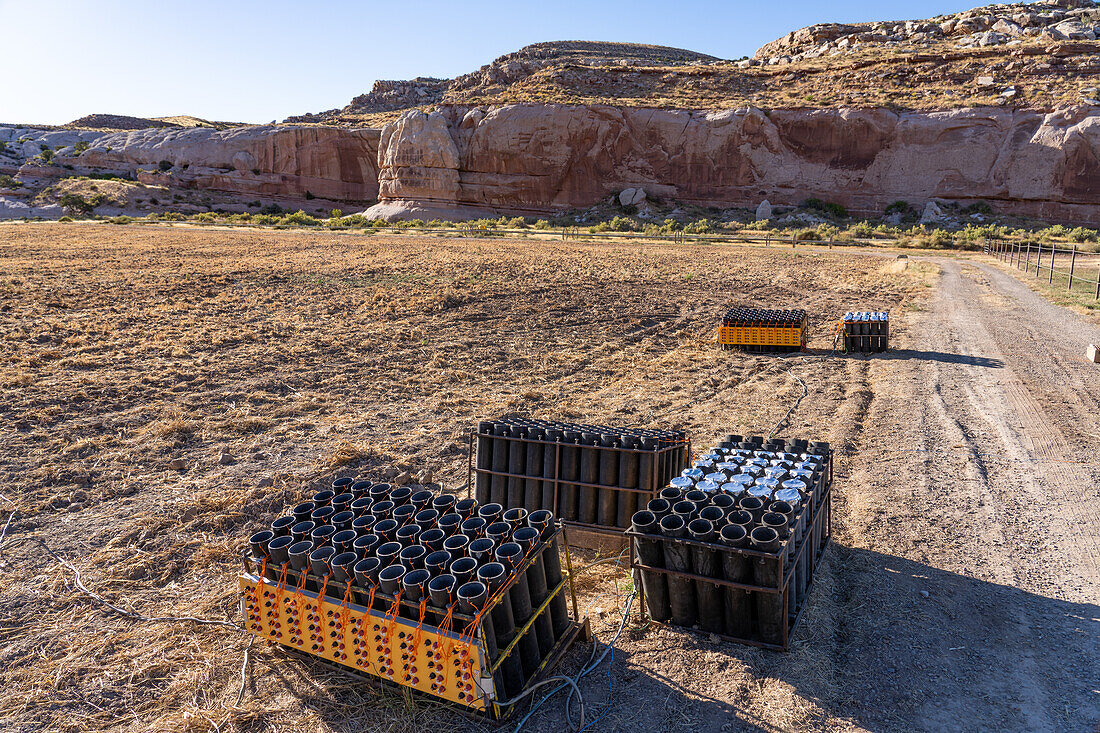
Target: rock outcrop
(991, 25)
(290, 163)
(537, 159)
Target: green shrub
(517, 222)
(81, 146)
(861, 229)
(120, 220)
(65, 219)
(76, 202)
(274, 209)
(825, 207)
(898, 207)
(7, 181)
(978, 207)
(335, 214)
(701, 226)
(47, 154)
(356, 220)
(3, 146)
(264, 219)
(206, 217)
(541, 224)
(299, 218)
(1081, 234)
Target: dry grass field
(167, 391)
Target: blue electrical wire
(610, 694)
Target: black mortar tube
(504, 626)
(712, 616)
(648, 552)
(770, 609)
(278, 549)
(647, 480)
(793, 538)
(543, 521)
(550, 460)
(587, 498)
(570, 471)
(628, 501)
(517, 464)
(472, 598)
(752, 505)
(735, 568)
(464, 569)
(466, 508)
(660, 508)
(681, 590)
(441, 589)
(510, 555)
(527, 538)
(484, 461)
(498, 487)
(532, 485)
(607, 499)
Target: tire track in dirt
(972, 560)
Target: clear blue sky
(258, 61)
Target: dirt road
(972, 533)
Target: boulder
(933, 214)
(632, 196)
(764, 210)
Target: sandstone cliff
(462, 162)
(288, 163)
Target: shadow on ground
(886, 644)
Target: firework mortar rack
(593, 477)
(765, 331)
(864, 332)
(731, 547)
(468, 604)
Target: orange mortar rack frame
(764, 338)
(361, 633)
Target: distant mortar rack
(764, 331)
(864, 332)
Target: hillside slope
(1039, 56)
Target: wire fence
(1064, 264)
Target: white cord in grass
(121, 611)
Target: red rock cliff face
(528, 158)
(330, 163)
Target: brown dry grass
(304, 353)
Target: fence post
(1072, 259)
(1038, 258)
(1053, 251)
(1098, 283)
(1027, 262)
